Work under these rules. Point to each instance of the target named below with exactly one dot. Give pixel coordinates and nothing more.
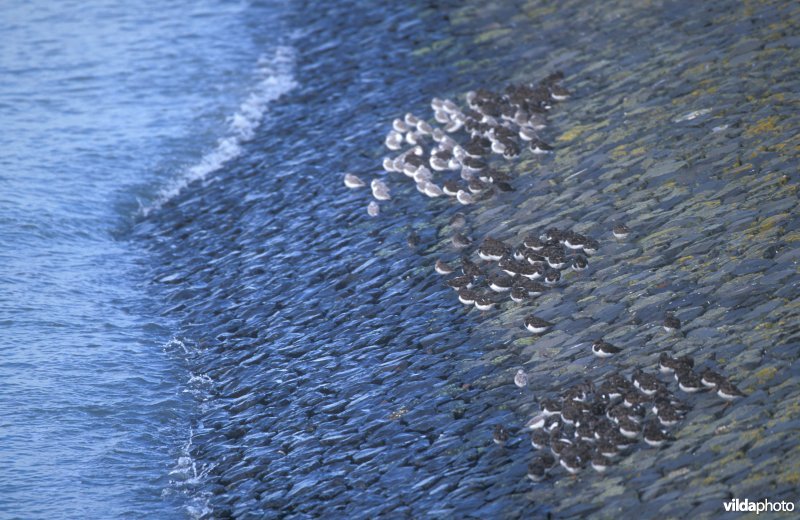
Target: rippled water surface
(106, 108)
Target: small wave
(275, 79)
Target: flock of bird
(522, 272)
(586, 425)
(589, 425)
(451, 156)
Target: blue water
(107, 108)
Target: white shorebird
(521, 378)
(394, 140)
(380, 190)
(352, 181)
(373, 209)
(465, 197)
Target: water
(108, 109)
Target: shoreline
(695, 168)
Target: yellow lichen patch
(685, 259)
(435, 46)
(766, 125)
(491, 34)
(577, 130)
(794, 236)
(767, 224)
(765, 374)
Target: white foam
(275, 78)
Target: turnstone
(507, 264)
(634, 398)
(621, 231)
(600, 463)
(461, 241)
(537, 325)
(603, 349)
(550, 407)
(553, 424)
(439, 161)
(534, 258)
(570, 413)
(591, 246)
(518, 294)
(413, 239)
(527, 133)
(373, 209)
(476, 186)
(484, 302)
(467, 296)
(552, 235)
(442, 267)
(500, 435)
(559, 93)
(353, 181)
(464, 197)
(570, 461)
(536, 470)
(579, 263)
(470, 268)
(380, 190)
(460, 282)
(556, 261)
(654, 435)
(521, 378)
(451, 188)
(574, 241)
(539, 147)
(539, 439)
(552, 277)
(607, 448)
(667, 415)
(500, 282)
(668, 364)
(671, 323)
(646, 383)
(558, 443)
(711, 379)
(628, 427)
(728, 391)
(688, 381)
(492, 249)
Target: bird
(500, 435)
(442, 267)
(353, 181)
(671, 323)
(465, 197)
(373, 209)
(380, 190)
(536, 325)
(603, 349)
(537, 470)
(521, 378)
(728, 391)
(621, 231)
